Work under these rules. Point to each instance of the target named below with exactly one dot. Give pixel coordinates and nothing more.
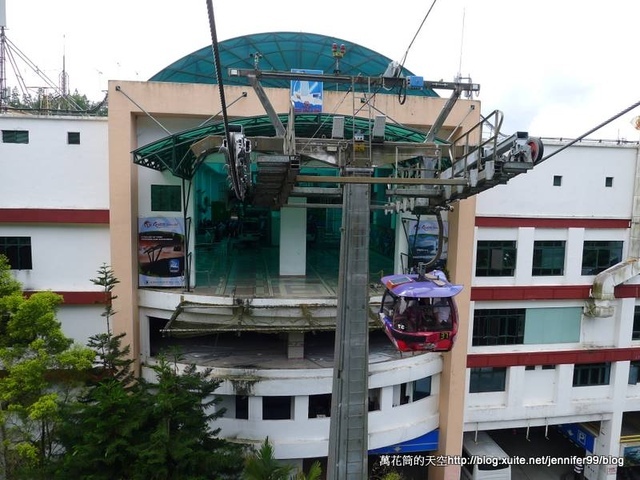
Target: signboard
(578, 435)
(631, 454)
(422, 239)
(161, 255)
(306, 95)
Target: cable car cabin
(418, 312)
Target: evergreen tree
(128, 428)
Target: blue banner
(578, 435)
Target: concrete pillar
(295, 345)
(293, 239)
(453, 377)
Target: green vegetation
(53, 103)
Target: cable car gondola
(418, 312)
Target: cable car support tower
(475, 164)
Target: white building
(540, 351)
(54, 210)
(73, 199)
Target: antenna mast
(4, 92)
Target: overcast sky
(556, 68)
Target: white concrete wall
(82, 321)
(583, 194)
(49, 173)
(65, 257)
(303, 437)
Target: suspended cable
(216, 63)
(617, 115)
(416, 35)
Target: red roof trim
(546, 292)
(78, 298)
(513, 222)
(512, 359)
(53, 215)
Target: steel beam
(348, 438)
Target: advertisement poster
(422, 239)
(161, 252)
(306, 96)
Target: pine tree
(128, 428)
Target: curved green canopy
(174, 152)
(279, 51)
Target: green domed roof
(280, 51)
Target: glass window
(374, 399)
(597, 256)
(487, 379)
(495, 326)
(608, 181)
(242, 407)
(15, 136)
(589, 374)
(73, 138)
(18, 252)
(320, 405)
(166, 198)
(635, 335)
(634, 370)
(557, 180)
(276, 408)
(495, 258)
(548, 257)
(421, 388)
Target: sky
(554, 68)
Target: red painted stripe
(513, 359)
(514, 222)
(546, 292)
(78, 298)
(53, 215)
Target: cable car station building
(252, 292)
(255, 289)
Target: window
(634, 370)
(276, 408)
(421, 388)
(166, 198)
(548, 367)
(242, 407)
(495, 258)
(15, 136)
(530, 367)
(73, 138)
(487, 379)
(320, 405)
(557, 180)
(374, 399)
(608, 182)
(597, 256)
(498, 326)
(548, 257)
(589, 374)
(635, 334)
(18, 252)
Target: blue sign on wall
(578, 435)
(306, 95)
(424, 443)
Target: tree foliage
(70, 104)
(40, 368)
(125, 427)
(262, 465)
